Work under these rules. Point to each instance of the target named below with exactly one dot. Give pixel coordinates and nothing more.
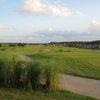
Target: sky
(49, 20)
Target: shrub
(6, 73)
(61, 50)
(11, 73)
(19, 74)
(68, 51)
(52, 76)
(20, 71)
(12, 45)
(34, 70)
(0, 45)
(1, 72)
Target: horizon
(44, 21)
(47, 42)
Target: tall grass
(34, 71)
(11, 73)
(21, 74)
(20, 71)
(52, 76)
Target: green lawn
(74, 61)
(14, 94)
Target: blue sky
(49, 20)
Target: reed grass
(52, 74)
(19, 74)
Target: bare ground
(25, 58)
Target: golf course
(55, 60)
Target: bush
(34, 71)
(0, 45)
(61, 50)
(20, 71)
(52, 76)
(19, 74)
(11, 73)
(12, 45)
(6, 73)
(68, 51)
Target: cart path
(83, 86)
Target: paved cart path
(84, 86)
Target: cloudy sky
(49, 20)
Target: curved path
(83, 86)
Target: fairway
(72, 61)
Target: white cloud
(50, 29)
(35, 6)
(95, 23)
(94, 27)
(60, 10)
(79, 13)
(2, 26)
(42, 6)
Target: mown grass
(74, 61)
(15, 94)
(79, 63)
(32, 81)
